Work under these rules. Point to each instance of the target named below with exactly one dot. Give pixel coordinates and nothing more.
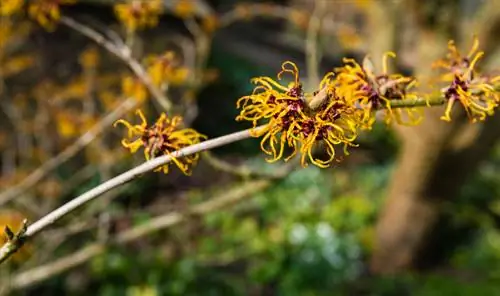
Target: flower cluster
(47, 12)
(298, 119)
(374, 92)
(162, 138)
(138, 14)
(349, 99)
(475, 92)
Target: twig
(421, 102)
(125, 54)
(69, 152)
(408, 103)
(119, 180)
(14, 241)
(38, 274)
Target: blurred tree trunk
(436, 157)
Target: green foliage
(299, 237)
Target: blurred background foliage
(309, 233)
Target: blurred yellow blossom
(67, 125)
(9, 7)
(47, 12)
(184, 8)
(133, 87)
(210, 23)
(89, 58)
(165, 69)
(139, 14)
(16, 64)
(109, 100)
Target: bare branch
(43, 272)
(119, 180)
(125, 54)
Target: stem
(125, 54)
(417, 103)
(420, 102)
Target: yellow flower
(335, 122)
(67, 126)
(165, 69)
(139, 14)
(283, 106)
(9, 7)
(374, 92)
(298, 119)
(476, 93)
(12, 31)
(133, 87)
(162, 138)
(89, 58)
(16, 64)
(47, 12)
(184, 8)
(210, 23)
